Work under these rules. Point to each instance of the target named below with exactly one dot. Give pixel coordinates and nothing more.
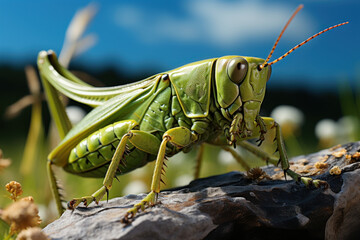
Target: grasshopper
(215, 101)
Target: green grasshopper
(215, 101)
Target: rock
(232, 206)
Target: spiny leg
(109, 177)
(286, 166)
(262, 126)
(150, 199)
(283, 159)
(55, 188)
(235, 128)
(179, 137)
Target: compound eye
(237, 69)
(269, 73)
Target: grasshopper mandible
(214, 101)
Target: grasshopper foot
(148, 201)
(76, 201)
(96, 197)
(309, 182)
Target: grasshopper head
(240, 81)
(240, 84)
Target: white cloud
(221, 23)
(129, 16)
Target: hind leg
(141, 140)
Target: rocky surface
(234, 206)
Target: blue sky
(162, 35)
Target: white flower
(285, 114)
(289, 118)
(326, 129)
(348, 128)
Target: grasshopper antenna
(302, 43)
(279, 37)
(265, 64)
